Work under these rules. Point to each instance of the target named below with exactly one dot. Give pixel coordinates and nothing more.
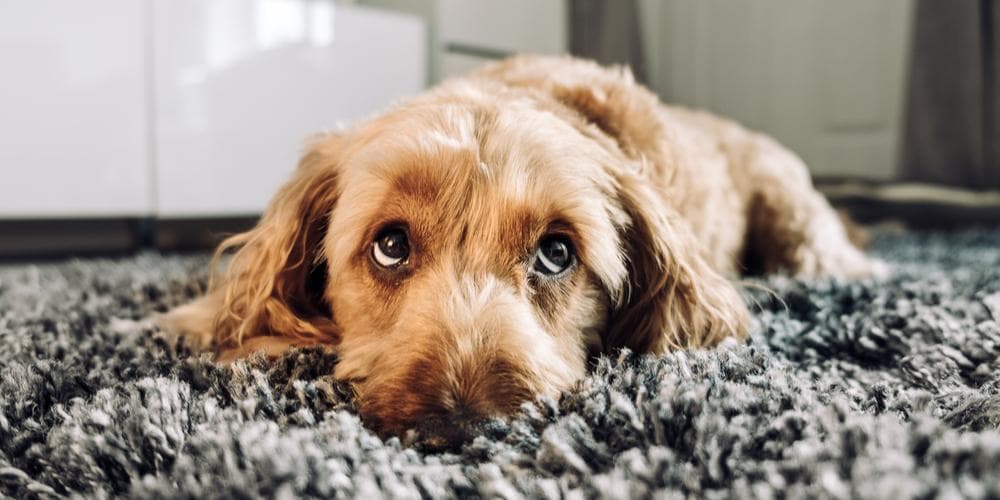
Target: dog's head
(466, 253)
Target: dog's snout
(449, 430)
(476, 355)
(445, 399)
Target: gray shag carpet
(846, 389)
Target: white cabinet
(471, 32)
(183, 108)
(464, 34)
(240, 85)
(73, 109)
(510, 26)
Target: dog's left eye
(390, 248)
(554, 255)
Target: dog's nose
(443, 405)
(429, 425)
(448, 431)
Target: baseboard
(48, 239)
(918, 206)
(60, 238)
(197, 234)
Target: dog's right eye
(554, 255)
(390, 248)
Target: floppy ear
(674, 300)
(274, 284)
(607, 97)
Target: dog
(472, 248)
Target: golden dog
(468, 250)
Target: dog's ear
(606, 97)
(275, 282)
(674, 299)
(620, 107)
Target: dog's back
(746, 198)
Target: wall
(825, 78)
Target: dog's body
(471, 248)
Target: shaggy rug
(846, 389)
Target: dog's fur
(663, 205)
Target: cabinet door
(473, 32)
(511, 26)
(826, 78)
(241, 84)
(73, 118)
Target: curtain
(608, 32)
(952, 126)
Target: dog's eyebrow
(417, 185)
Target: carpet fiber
(874, 390)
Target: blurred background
(127, 124)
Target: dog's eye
(390, 247)
(554, 255)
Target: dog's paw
(880, 270)
(131, 327)
(189, 322)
